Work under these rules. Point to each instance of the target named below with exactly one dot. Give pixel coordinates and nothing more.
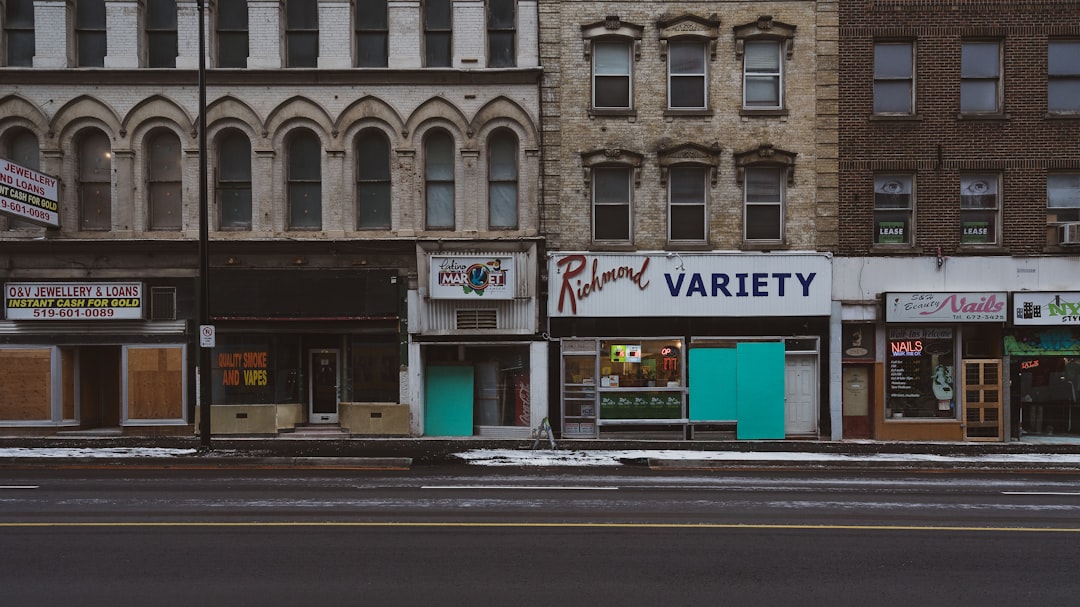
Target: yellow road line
(63, 524)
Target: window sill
(688, 113)
(764, 246)
(895, 118)
(683, 245)
(771, 113)
(603, 112)
(893, 249)
(613, 246)
(981, 249)
(963, 116)
(1062, 116)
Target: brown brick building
(959, 182)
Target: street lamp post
(204, 243)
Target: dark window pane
(232, 15)
(94, 181)
(437, 49)
(892, 97)
(501, 49)
(24, 149)
(437, 14)
(20, 50)
(234, 158)
(688, 222)
(612, 222)
(371, 50)
(611, 185)
(232, 49)
(763, 222)
(19, 13)
(94, 206)
(305, 205)
(161, 15)
(374, 206)
(165, 158)
(90, 14)
(95, 158)
(688, 92)
(235, 208)
(1064, 58)
(92, 49)
(305, 158)
(165, 206)
(439, 157)
(1064, 95)
(162, 47)
(302, 14)
(979, 60)
(373, 157)
(612, 92)
(892, 60)
(501, 14)
(303, 49)
(371, 15)
(687, 185)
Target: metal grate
(163, 303)
(476, 319)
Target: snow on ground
(511, 457)
(104, 452)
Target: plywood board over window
(155, 383)
(25, 384)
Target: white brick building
(352, 148)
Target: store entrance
(323, 393)
(99, 393)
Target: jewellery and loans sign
(1046, 308)
(73, 301)
(945, 307)
(458, 277)
(27, 194)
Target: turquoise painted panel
(448, 400)
(760, 373)
(712, 384)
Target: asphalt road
(461, 536)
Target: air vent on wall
(477, 319)
(163, 303)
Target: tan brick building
(690, 157)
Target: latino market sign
(703, 285)
(945, 307)
(1046, 308)
(73, 301)
(29, 195)
(457, 277)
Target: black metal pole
(204, 243)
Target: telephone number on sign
(74, 313)
(24, 209)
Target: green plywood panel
(448, 401)
(712, 384)
(760, 372)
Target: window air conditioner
(1069, 233)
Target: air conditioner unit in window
(1069, 233)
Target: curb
(897, 466)
(212, 463)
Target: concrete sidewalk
(1034, 454)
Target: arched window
(94, 181)
(232, 33)
(234, 181)
(166, 197)
(439, 180)
(305, 181)
(503, 180)
(373, 180)
(21, 147)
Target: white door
(323, 387)
(800, 394)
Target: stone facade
(805, 126)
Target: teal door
(760, 388)
(448, 400)
(712, 384)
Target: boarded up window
(25, 393)
(155, 383)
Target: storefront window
(641, 363)
(921, 376)
(374, 371)
(255, 370)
